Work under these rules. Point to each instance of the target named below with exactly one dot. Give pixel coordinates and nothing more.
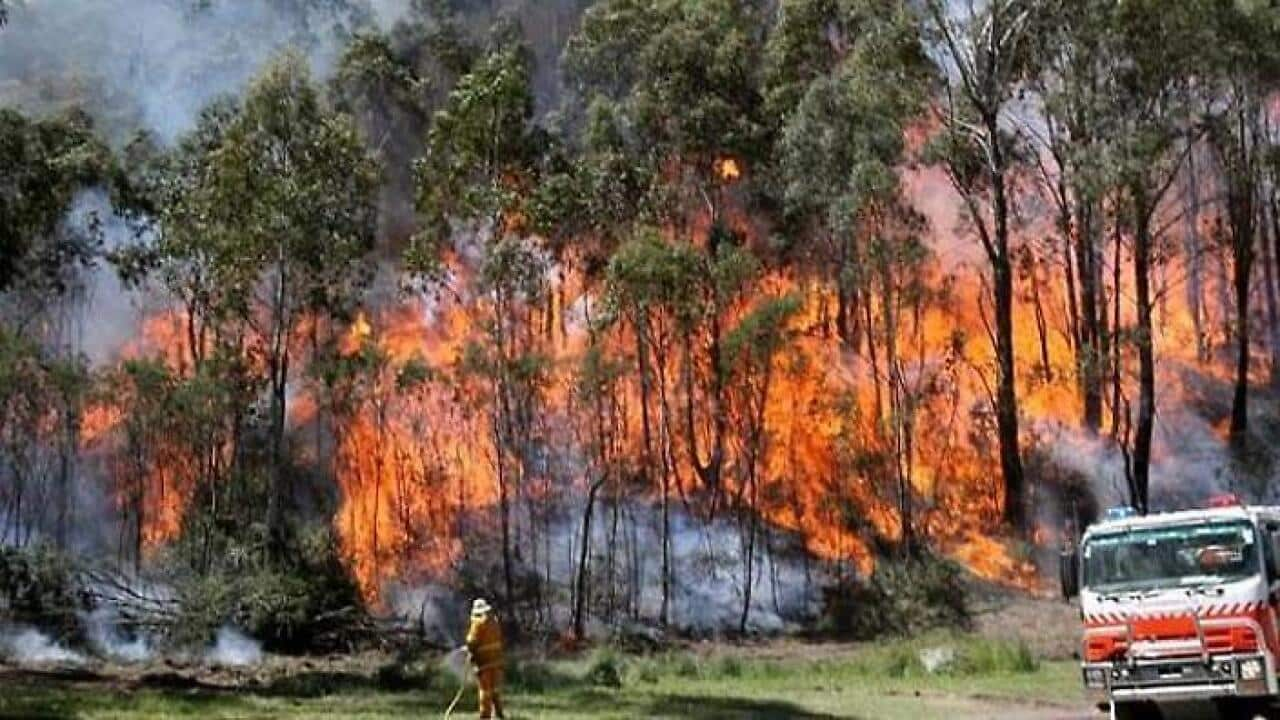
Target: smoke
(434, 609)
(455, 663)
(108, 639)
(28, 646)
(110, 315)
(1190, 459)
(234, 649)
(708, 570)
(156, 63)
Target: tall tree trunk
(67, 455)
(1240, 400)
(1118, 408)
(279, 375)
(756, 447)
(847, 312)
(583, 584)
(666, 465)
(1242, 214)
(1268, 240)
(501, 441)
(1242, 272)
(1194, 250)
(1146, 354)
(1007, 393)
(1090, 353)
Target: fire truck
(1179, 607)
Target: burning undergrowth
(693, 423)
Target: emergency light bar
(1121, 512)
(1224, 500)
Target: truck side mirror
(1069, 572)
(1273, 559)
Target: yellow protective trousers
(489, 680)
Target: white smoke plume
(109, 641)
(113, 313)
(234, 649)
(157, 63)
(433, 609)
(707, 577)
(28, 646)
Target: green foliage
(900, 598)
(845, 77)
(760, 335)
(697, 95)
(479, 149)
(985, 656)
(373, 78)
(729, 667)
(43, 165)
(37, 587)
(969, 657)
(604, 668)
(649, 275)
(537, 676)
(682, 83)
(601, 57)
(302, 604)
(687, 666)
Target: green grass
(885, 681)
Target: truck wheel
(1138, 711)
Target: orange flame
(728, 169)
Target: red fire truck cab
(1180, 607)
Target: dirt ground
(1048, 625)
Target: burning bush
(900, 598)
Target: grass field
(886, 682)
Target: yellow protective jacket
(484, 641)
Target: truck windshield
(1182, 555)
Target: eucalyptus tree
(687, 79)
(44, 164)
(750, 357)
(475, 180)
(985, 53)
(286, 200)
(651, 286)
(848, 78)
(1240, 70)
(840, 151)
(1153, 80)
(1069, 144)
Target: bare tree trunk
(583, 585)
(999, 255)
(1007, 398)
(1117, 359)
(1042, 326)
(1269, 239)
(1194, 250)
(1091, 352)
(279, 369)
(67, 456)
(1146, 354)
(756, 441)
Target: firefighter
(484, 644)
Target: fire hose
(462, 687)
